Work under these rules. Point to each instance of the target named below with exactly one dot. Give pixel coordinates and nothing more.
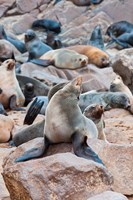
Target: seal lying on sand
(34, 45)
(11, 96)
(96, 56)
(62, 59)
(95, 113)
(65, 123)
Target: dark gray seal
(48, 25)
(96, 38)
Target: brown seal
(95, 113)
(11, 96)
(68, 124)
(62, 59)
(95, 56)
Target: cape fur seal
(118, 28)
(62, 59)
(82, 2)
(11, 96)
(107, 99)
(69, 125)
(96, 38)
(17, 43)
(48, 25)
(96, 56)
(53, 41)
(34, 45)
(28, 93)
(95, 113)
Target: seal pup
(96, 38)
(117, 85)
(85, 2)
(47, 24)
(69, 125)
(17, 43)
(11, 96)
(28, 93)
(62, 59)
(118, 28)
(53, 41)
(95, 55)
(34, 45)
(95, 113)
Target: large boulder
(59, 176)
(109, 195)
(122, 64)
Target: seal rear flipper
(41, 62)
(12, 103)
(33, 111)
(81, 149)
(34, 152)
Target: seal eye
(80, 59)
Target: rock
(109, 195)
(6, 49)
(60, 176)
(122, 64)
(5, 5)
(111, 9)
(119, 126)
(27, 5)
(4, 151)
(23, 24)
(118, 159)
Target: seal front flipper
(41, 62)
(12, 103)
(81, 148)
(33, 111)
(34, 152)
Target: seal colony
(69, 125)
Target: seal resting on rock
(11, 96)
(34, 45)
(96, 56)
(62, 59)
(48, 25)
(65, 123)
(118, 28)
(95, 113)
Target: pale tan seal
(11, 96)
(65, 123)
(62, 59)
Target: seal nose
(83, 62)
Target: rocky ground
(77, 25)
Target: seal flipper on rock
(34, 152)
(33, 111)
(81, 148)
(43, 63)
(96, 38)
